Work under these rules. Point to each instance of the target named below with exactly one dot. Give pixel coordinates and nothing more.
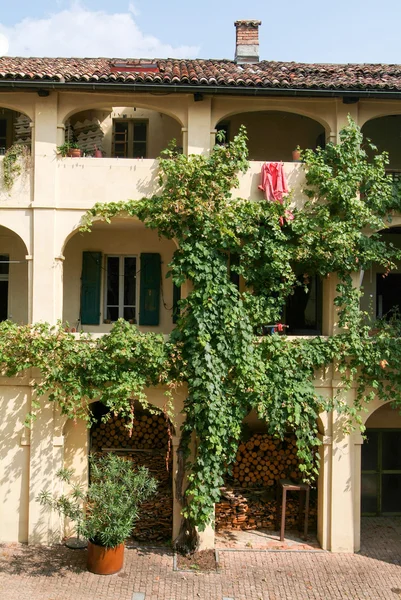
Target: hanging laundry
(274, 185)
(273, 182)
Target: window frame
(121, 306)
(318, 313)
(131, 122)
(6, 277)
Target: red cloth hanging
(273, 182)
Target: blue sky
(304, 31)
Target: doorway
(381, 473)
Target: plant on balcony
(106, 513)
(69, 149)
(17, 157)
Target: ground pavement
(250, 571)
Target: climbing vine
(216, 348)
(16, 157)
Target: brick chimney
(247, 41)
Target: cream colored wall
(14, 461)
(129, 239)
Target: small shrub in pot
(106, 513)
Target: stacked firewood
(148, 432)
(253, 509)
(249, 499)
(263, 460)
(146, 446)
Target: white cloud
(77, 31)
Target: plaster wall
(14, 461)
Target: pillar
(46, 304)
(46, 458)
(199, 125)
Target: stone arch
(14, 263)
(128, 130)
(130, 103)
(297, 127)
(384, 131)
(16, 126)
(375, 405)
(286, 130)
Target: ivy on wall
(214, 349)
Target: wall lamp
(43, 93)
(198, 97)
(350, 99)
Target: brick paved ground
(31, 573)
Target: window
(303, 312)
(121, 288)
(130, 138)
(4, 272)
(388, 298)
(132, 288)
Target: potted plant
(106, 513)
(296, 154)
(69, 149)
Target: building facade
(122, 114)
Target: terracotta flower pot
(74, 152)
(105, 561)
(98, 154)
(296, 155)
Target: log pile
(263, 460)
(147, 446)
(249, 499)
(148, 432)
(253, 509)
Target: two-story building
(122, 113)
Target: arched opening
(148, 445)
(382, 290)
(15, 128)
(13, 277)
(381, 464)
(381, 481)
(250, 501)
(118, 270)
(122, 132)
(385, 133)
(273, 135)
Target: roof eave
(34, 86)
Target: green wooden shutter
(149, 308)
(176, 299)
(90, 288)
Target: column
(46, 457)
(324, 493)
(199, 125)
(47, 272)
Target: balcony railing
(83, 181)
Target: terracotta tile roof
(220, 73)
